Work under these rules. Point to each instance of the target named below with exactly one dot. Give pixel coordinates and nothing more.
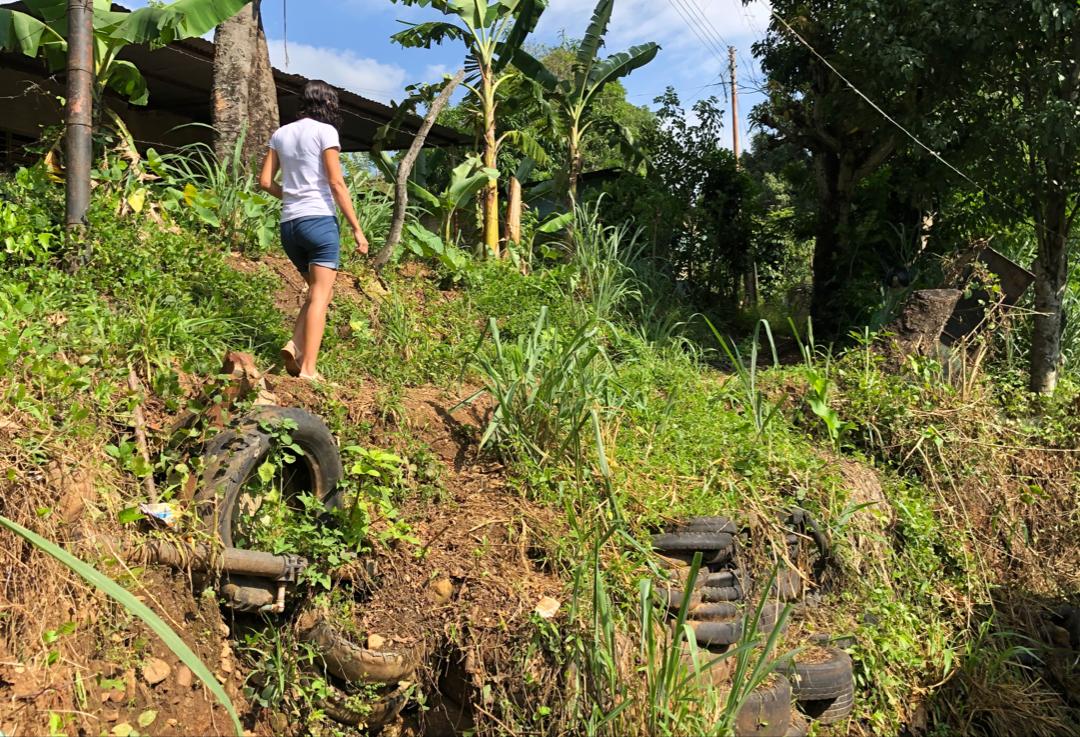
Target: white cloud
(435, 72)
(344, 68)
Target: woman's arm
(332, 161)
(269, 173)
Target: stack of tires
(719, 611)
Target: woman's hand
(361, 241)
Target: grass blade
(136, 607)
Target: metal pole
(734, 105)
(80, 110)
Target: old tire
(713, 668)
(723, 593)
(354, 664)
(788, 585)
(235, 455)
(382, 711)
(691, 542)
(821, 681)
(830, 711)
(708, 524)
(767, 711)
(714, 612)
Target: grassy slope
(914, 573)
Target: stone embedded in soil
(110, 715)
(547, 607)
(155, 670)
(223, 629)
(441, 590)
(183, 677)
(375, 642)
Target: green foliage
(44, 30)
(218, 195)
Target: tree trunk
(401, 181)
(263, 114)
(830, 240)
(1051, 273)
(234, 48)
(491, 160)
(576, 165)
(244, 96)
(513, 212)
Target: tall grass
(754, 401)
(547, 385)
(604, 258)
(106, 585)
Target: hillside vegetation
(599, 407)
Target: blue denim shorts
(312, 241)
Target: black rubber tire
(714, 612)
(683, 542)
(383, 711)
(724, 593)
(675, 596)
(680, 561)
(354, 664)
(766, 712)
(788, 585)
(830, 711)
(724, 629)
(708, 524)
(715, 633)
(829, 679)
(235, 455)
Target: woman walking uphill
(308, 153)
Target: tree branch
(401, 183)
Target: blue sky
(347, 42)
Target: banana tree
(491, 32)
(42, 32)
(571, 99)
(466, 180)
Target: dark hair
(319, 101)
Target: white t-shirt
(306, 188)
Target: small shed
(179, 79)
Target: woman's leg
(301, 318)
(321, 281)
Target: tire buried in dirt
(684, 542)
(828, 679)
(767, 711)
(830, 711)
(235, 455)
(383, 710)
(354, 664)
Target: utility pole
(78, 149)
(734, 104)
(750, 278)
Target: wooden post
(734, 105)
(513, 212)
(78, 149)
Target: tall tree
(1021, 114)
(901, 55)
(491, 34)
(244, 97)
